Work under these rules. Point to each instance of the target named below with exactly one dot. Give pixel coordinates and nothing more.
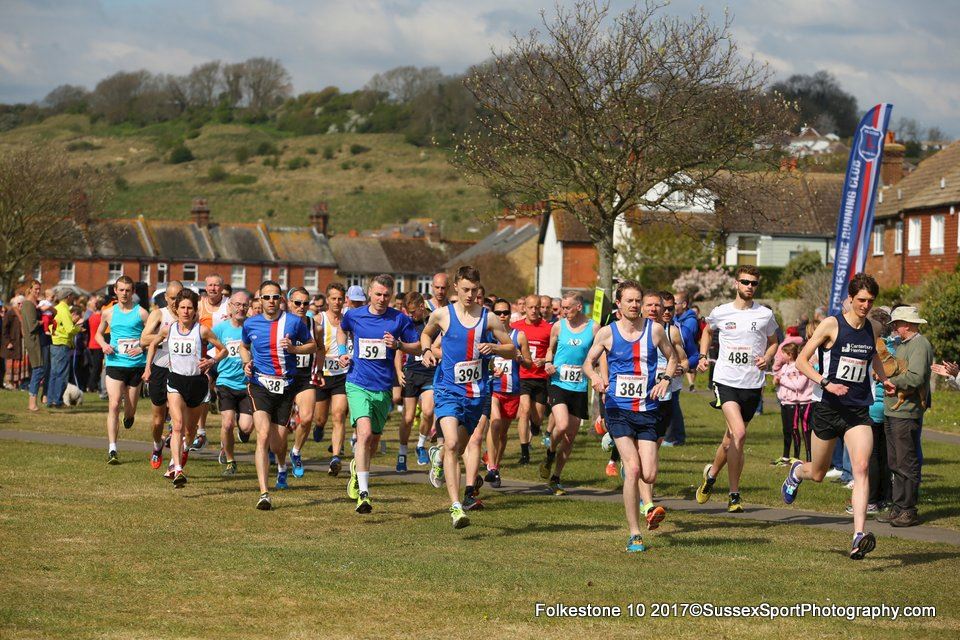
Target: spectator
(11, 347)
(950, 371)
(904, 415)
(94, 350)
(792, 337)
(32, 328)
(64, 331)
(878, 471)
(795, 393)
(686, 321)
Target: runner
(124, 360)
(377, 332)
(236, 409)
(748, 342)
(461, 382)
(305, 392)
(331, 389)
(214, 309)
(438, 291)
(633, 391)
(186, 344)
(417, 382)
(570, 339)
(505, 399)
(533, 380)
(158, 319)
(846, 346)
(269, 346)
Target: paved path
(941, 436)
(925, 533)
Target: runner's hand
(248, 369)
(205, 365)
(401, 379)
(389, 340)
(599, 384)
(136, 351)
(146, 374)
(702, 365)
(286, 343)
(761, 362)
(344, 360)
(889, 388)
(838, 389)
(549, 368)
(109, 350)
(429, 358)
(660, 389)
(485, 348)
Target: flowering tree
(705, 285)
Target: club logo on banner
(859, 197)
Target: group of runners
(462, 373)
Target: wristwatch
(824, 381)
(663, 377)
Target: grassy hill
(367, 179)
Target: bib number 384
(467, 371)
(630, 387)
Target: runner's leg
(859, 443)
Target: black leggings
(796, 424)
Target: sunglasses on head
(270, 296)
(299, 303)
(749, 283)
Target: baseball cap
(355, 293)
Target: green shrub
(357, 149)
(269, 213)
(121, 183)
(806, 262)
(297, 163)
(193, 134)
(82, 145)
(367, 166)
(311, 151)
(217, 173)
(346, 165)
(180, 154)
(890, 296)
(941, 309)
(267, 148)
(242, 154)
(241, 178)
(271, 161)
(328, 152)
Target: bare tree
(176, 92)
(204, 84)
(233, 81)
(403, 84)
(115, 96)
(67, 98)
(266, 82)
(606, 108)
(46, 208)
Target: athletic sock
(201, 432)
(295, 451)
(857, 533)
(113, 446)
(551, 455)
(645, 508)
(422, 441)
(229, 460)
(363, 479)
(157, 445)
(457, 505)
(793, 476)
(525, 450)
(403, 450)
(281, 468)
(711, 479)
(734, 494)
(177, 468)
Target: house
(916, 228)
(811, 142)
(156, 251)
(568, 257)
(515, 241)
(412, 262)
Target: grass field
(391, 181)
(91, 551)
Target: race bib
(503, 366)
(628, 386)
(332, 366)
(233, 349)
(126, 347)
(303, 360)
(273, 384)
(371, 349)
(571, 373)
(467, 372)
(183, 346)
(739, 355)
(851, 369)
(533, 352)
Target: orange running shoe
(599, 426)
(156, 459)
(612, 471)
(654, 517)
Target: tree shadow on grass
(900, 560)
(7, 418)
(533, 528)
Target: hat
(793, 331)
(906, 314)
(44, 304)
(355, 294)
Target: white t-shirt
(743, 337)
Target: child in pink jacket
(795, 392)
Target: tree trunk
(605, 266)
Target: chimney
(891, 171)
(200, 213)
(320, 218)
(433, 231)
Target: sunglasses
(271, 296)
(749, 283)
(299, 303)
(670, 309)
(501, 313)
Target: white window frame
(163, 270)
(310, 279)
(878, 239)
(354, 279)
(748, 252)
(914, 232)
(114, 271)
(145, 273)
(938, 226)
(282, 279)
(68, 273)
(267, 274)
(898, 237)
(238, 277)
(193, 267)
(423, 284)
(397, 284)
(38, 273)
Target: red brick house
(916, 229)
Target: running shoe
(335, 466)
(654, 517)
(168, 474)
(423, 458)
(545, 440)
(460, 519)
(363, 503)
(166, 441)
(436, 468)
(401, 463)
(243, 436)
(281, 480)
(833, 474)
(611, 469)
(353, 484)
(112, 458)
(490, 475)
(472, 503)
(263, 504)
(495, 483)
(222, 456)
(297, 461)
(156, 458)
(546, 466)
(317, 433)
(556, 488)
(734, 505)
(872, 509)
(199, 442)
(524, 459)
(635, 544)
(128, 422)
(231, 469)
(179, 479)
(863, 543)
(780, 462)
(703, 491)
(791, 484)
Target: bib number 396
(630, 387)
(467, 371)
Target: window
(310, 279)
(189, 272)
(397, 284)
(238, 277)
(354, 280)
(423, 284)
(114, 271)
(38, 273)
(937, 224)
(913, 236)
(747, 249)
(68, 273)
(898, 238)
(877, 240)
(145, 273)
(267, 274)
(282, 278)
(161, 273)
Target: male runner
(633, 390)
(438, 291)
(214, 309)
(546, 310)
(236, 409)
(506, 392)
(331, 381)
(570, 339)
(125, 360)
(748, 342)
(270, 343)
(846, 346)
(417, 382)
(160, 318)
(461, 387)
(377, 331)
(533, 380)
(305, 392)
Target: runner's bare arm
(598, 379)
(208, 336)
(505, 348)
(525, 359)
(151, 352)
(430, 333)
(705, 339)
(666, 348)
(150, 327)
(683, 360)
(101, 339)
(552, 349)
(766, 360)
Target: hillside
(367, 179)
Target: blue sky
(907, 53)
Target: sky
(907, 53)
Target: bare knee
(631, 471)
(649, 477)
